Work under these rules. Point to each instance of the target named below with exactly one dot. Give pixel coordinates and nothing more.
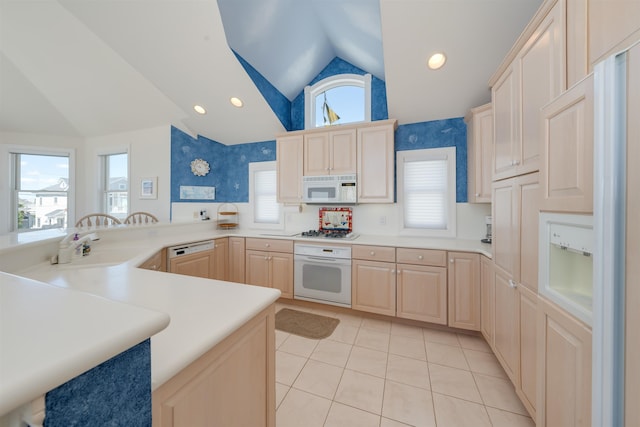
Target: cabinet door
(158, 262)
(506, 122)
(527, 389)
(528, 193)
(289, 168)
(487, 296)
(257, 268)
(221, 253)
(376, 164)
(236, 259)
(613, 25)
(316, 154)
(507, 340)
(564, 369)
(567, 151)
(281, 272)
(342, 146)
(479, 154)
(373, 287)
(542, 79)
(422, 293)
(201, 264)
(504, 225)
(464, 290)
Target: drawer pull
(512, 284)
(267, 245)
(420, 257)
(372, 253)
(451, 260)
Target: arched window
(339, 99)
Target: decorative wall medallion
(199, 167)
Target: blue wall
(114, 393)
(229, 165)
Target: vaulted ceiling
(89, 68)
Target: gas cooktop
(330, 234)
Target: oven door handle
(337, 261)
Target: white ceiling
(90, 68)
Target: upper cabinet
(613, 26)
(566, 178)
(289, 168)
(376, 162)
(479, 153)
(330, 153)
(550, 54)
(365, 149)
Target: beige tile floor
(373, 372)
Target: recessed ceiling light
(199, 109)
(437, 60)
(237, 102)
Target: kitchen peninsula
(210, 320)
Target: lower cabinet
(272, 267)
(422, 293)
(487, 300)
(218, 388)
(200, 264)
(527, 384)
(236, 259)
(221, 252)
(373, 286)
(464, 290)
(506, 318)
(158, 262)
(564, 369)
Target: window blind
(266, 207)
(425, 194)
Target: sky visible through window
(38, 172)
(346, 101)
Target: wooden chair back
(140, 218)
(97, 220)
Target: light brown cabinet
(375, 162)
(221, 253)
(613, 26)
(158, 262)
(534, 77)
(463, 277)
(527, 383)
(487, 300)
(236, 259)
(422, 285)
(200, 264)
(269, 263)
(373, 286)
(217, 388)
(564, 369)
(289, 150)
(507, 342)
(330, 153)
(566, 177)
(479, 153)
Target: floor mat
(305, 324)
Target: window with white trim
(115, 184)
(427, 191)
(339, 99)
(266, 211)
(41, 182)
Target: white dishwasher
(192, 259)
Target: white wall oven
(322, 274)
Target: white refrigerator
(616, 299)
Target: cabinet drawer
(421, 257)
(274, 245)
(374, 253)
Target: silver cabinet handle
(451, 261)
(420, 257)
(267, 245)
(372, 253)
(512, 284)
(477, 194)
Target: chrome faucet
(68, 246)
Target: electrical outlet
(382, 220)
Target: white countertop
(202, 311)
(49, 335)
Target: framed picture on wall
(149, 188)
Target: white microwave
(329, 189)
